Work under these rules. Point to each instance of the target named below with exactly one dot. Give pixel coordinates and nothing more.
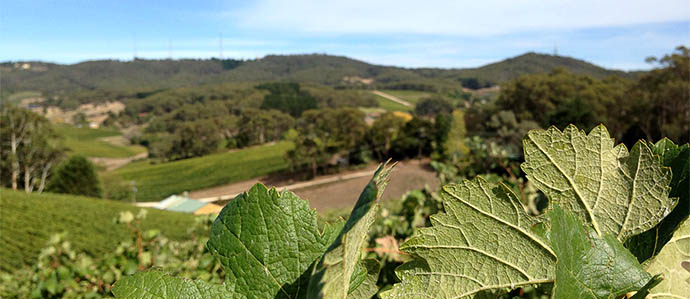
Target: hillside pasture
(389, 105)
(154, 182)
(91, 142)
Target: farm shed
(185, 204)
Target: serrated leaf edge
(572, 184)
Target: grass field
(86, 142)
(19, 96)
(371, 110)
(411, 96)
(28, 220)
(392, 106)
(154, 182)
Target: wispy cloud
(470, 18)
(427, 33)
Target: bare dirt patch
(338, 193)
(94, 113)
(357, 79)
(406, 176)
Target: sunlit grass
(392, 106)
(411, 96)
(157, 181)
(87, 142)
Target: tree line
(194, 122)
(328, 131)
(489, 140)
(654, 105)
(327, 135)
(33, 158)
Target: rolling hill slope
(157, 181)
(88, 142)
(110, 74)
(531, 63)
(149, 75)
(28, 220)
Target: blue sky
(433, 33)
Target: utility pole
(134, 42)
(221, 45)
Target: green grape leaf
(363, 280)
(483, 241)
(332, 273)
(649, 243)
(268, 243)
(155, 284)
(590, 266)
(614, 191)
(265, 241)
(487, 242)
(673, 262)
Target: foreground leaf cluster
(270, 247)
(616, 224)
(601, 195)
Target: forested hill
(110, 75)
(331, 70)
(531, 63)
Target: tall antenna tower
(170, 48)
(220, 40)
(555, 49)
(134, 42)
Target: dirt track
(114, 163)
(335, 194)
(392, 98)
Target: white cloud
(470, 18)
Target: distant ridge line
(143, 74)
